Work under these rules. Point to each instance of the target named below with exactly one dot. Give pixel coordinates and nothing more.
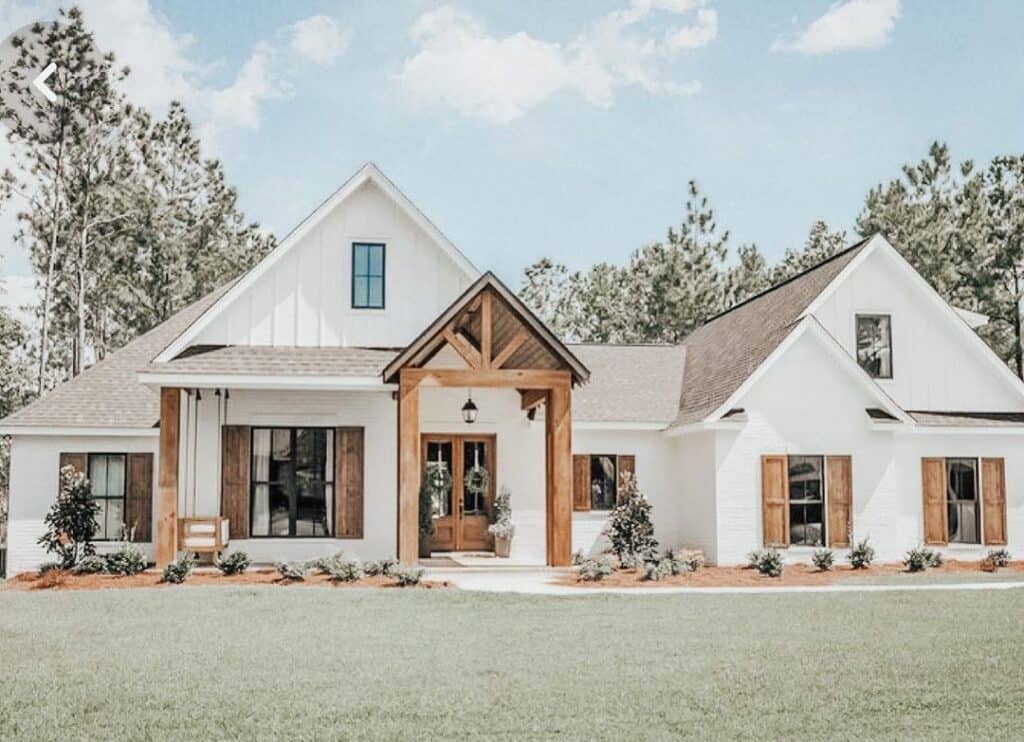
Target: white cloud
(461, 65)
(238, 105)
(320, 39)
(855, 24)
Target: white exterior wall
(35, 480)
(807, 404)
(656, 475)
(305, 299)
(693, 464)
(934, 367)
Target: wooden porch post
(558, 432)
(408, 468)
(165, 547)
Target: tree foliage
(71, 521)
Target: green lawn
(209, 662)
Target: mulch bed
(793, 575)
(62, 580)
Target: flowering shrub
(999, 557)
(770, 563)
(823, 559)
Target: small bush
(71, 521)
(234, 563)
(632, 561)
(934, 558)
(346, 570)
(861, 555)
(630, 528)
(654, 571)
(917, 560)
(823, 559)
(292, 570)
(999, 557)
(127, 560)
(754, 558)
(407, 576)
(682, 561)
(383, 567)
(770, 563)
(178, 571)
(325, 564)
(50, 567)
(91, 565)
(593, 570)
(577, 557)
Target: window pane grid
(292, 493)
(962, 509)
(107, 485)
(874, 344)
(603, 482)
(367, 275)
(806, 503)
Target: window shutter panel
(77, 460)
(775, 499)
(839, 475)
(581, 482)
(933, 486)
(236, 446)
(626, 465)
(348, 482)
(139, 496)
(993, 501)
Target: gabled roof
(723, 353)
(107, 394)
(369, 173)
(269, 360)
(427, 343)
(629, 383)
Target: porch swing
(202, 534)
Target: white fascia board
(368, 172)
(245, 381)
(948, 430)
(60, 430)
(616, 425)
(810, 324)
(704, 425)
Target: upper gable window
(367, 275)
(874, 344)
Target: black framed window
(964, 515)
(107, 479)
(292, 491)
(367, 275)
(874, 344)
(806, 500)
(604, 479)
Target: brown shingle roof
(968, 419)
(108, 395)
(629, 383)
(725, 351)
(271, 360)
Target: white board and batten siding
(305, 300)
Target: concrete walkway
(540, 581)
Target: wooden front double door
(463, 511)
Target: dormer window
(367, 275)
(874, 344)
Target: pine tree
(821, 244)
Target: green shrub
(346, 570)
(407, 576)
(934, 558)
(682, 561)
(71, 521)
(234, 563)
(770, 563)
(823, 559)
(383, 567)
(127, 560)
(654, 571)
(326, 564)
(629, 524)
(754, 558)
(292, 570)
(50, 567)
(90, 565)
(918, 560)
(593, 570)
(999, 557)
(861, 555)
(178, 571)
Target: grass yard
(259, 662)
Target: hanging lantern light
(469, 409)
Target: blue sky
(569, 129)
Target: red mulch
(63, 580)
(792, 575)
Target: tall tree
(748, 277)
(821, 245)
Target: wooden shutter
(348, 482)
(236, 460)
(933, 486)
(139, 496)
(77, 460)
(581, 482)
(839, 479)
(625, 464)
(775, 499)
(993, 501)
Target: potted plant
(502, 528)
